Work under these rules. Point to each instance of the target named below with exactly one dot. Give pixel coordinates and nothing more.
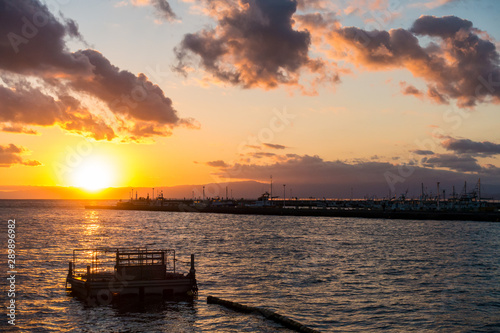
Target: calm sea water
(332, 274)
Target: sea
(330, 274)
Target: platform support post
(192, 275)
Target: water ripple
(333, 274)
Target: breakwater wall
(364, 213)
(271, 315)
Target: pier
(464, 206)
(381, 209)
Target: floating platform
(111, 273)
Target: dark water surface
(332, 274)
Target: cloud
(453, 162)
(423, 152)
(444, 27)
(18, 129)
(314, 5)
(309, 175)
(261, 154)
(265, 44)
(253, 147)
(435, 96)
(466, 146)
(143, 101)
(10, 155)
(274, 146)
(410, 90)
(217, 164)
(33, 50)
(373, 12)
(253, 45)
(164, 9)
(306, 168)
(23, 104)
(458, 63)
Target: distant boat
(110, 273)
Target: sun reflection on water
(91, 224)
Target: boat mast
(479, 190)
(438, 195)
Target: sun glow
(93, 174)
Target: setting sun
(93, 174)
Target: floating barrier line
(287, 322)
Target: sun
(93, 174)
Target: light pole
(271, 197)
(284, 194)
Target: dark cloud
(164, 10)
(217, 164)
(314, 21)
(310, 175)
(466, 146)
(423, 152)
(435, 96)
(11, 155)
(459, 65)
(384, 48)
(32, 45)
(18, 129)
(72, 29)
(453, 162)
(143, 101)
(162, 7)
(492, 170)
(261, 154)
(274, 146)
(32, 41)
(23, 104)
(265, 44)
(254, 44)
(312, 169)
(444, 27)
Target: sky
(327, 97)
